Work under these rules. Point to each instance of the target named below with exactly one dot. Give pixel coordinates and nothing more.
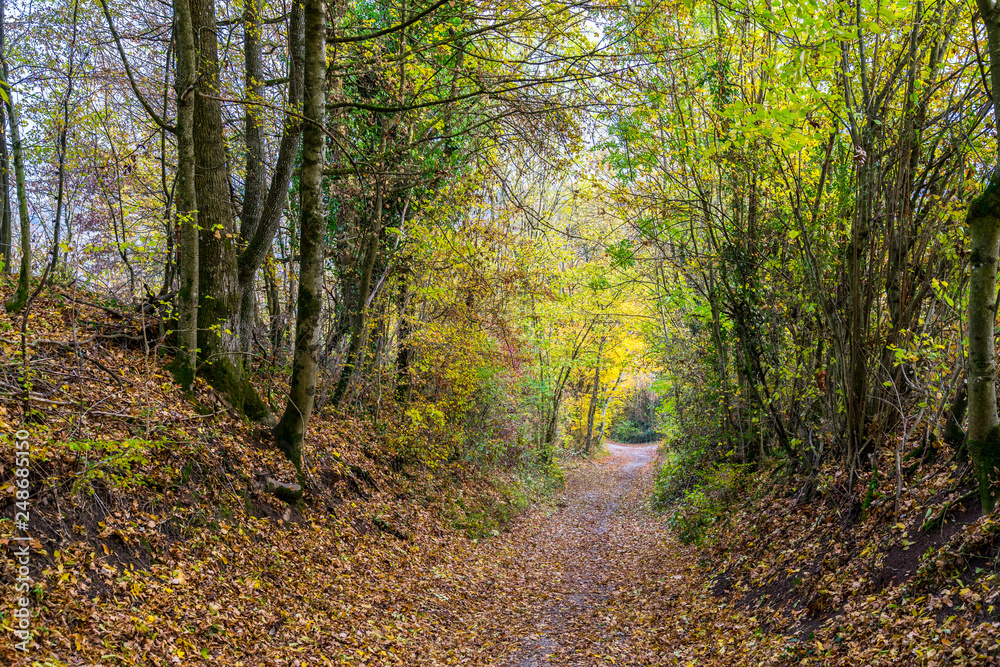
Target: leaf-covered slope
(156, 542)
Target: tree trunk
(219, 298)
(218, 290)
(592, 411)
(856, 395)
(20, 297)
(5, 209)
(253, 89)
(607, 402)
(254, 174)
(305, 363)
(273, 293)
(722, 359)
(954, 434)
(552, 428)
(186, 197)
(983, 220)
(261, 214)
(983, 434)
(405, 352)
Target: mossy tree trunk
(186, 197)
(290, 431)
(5, 209)
(218, 288)
(219, 297)
(983, 220)
(20, 297)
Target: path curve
(635, 456)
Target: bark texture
(262, 211)
(5, 208)
(984, 224)
(290, 431)
(218, 288)
(186, 197)
(20, 296)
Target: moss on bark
(225, 378)
(985, 455)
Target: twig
(235, 494)
(70, 345)
(939, 517)
(114, 376)
(22, 396)
(109, 311)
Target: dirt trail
(582, 557)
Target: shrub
(694, 514)
(695, 498)
(632, 433)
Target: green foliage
(483, 515)
(697, 482)
(636, 417)
(630, 432)
(696, 498)
(694, 514)
(622, 254)
(121, 465)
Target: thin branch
(131, 78)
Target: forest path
(581, 558)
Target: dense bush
(633, 433)
(696, 498)
(699, 479)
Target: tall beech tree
(983, 220)
(218, 279)
(291, 429)
(186, 195)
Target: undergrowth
(482, 515)
(695, 494)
